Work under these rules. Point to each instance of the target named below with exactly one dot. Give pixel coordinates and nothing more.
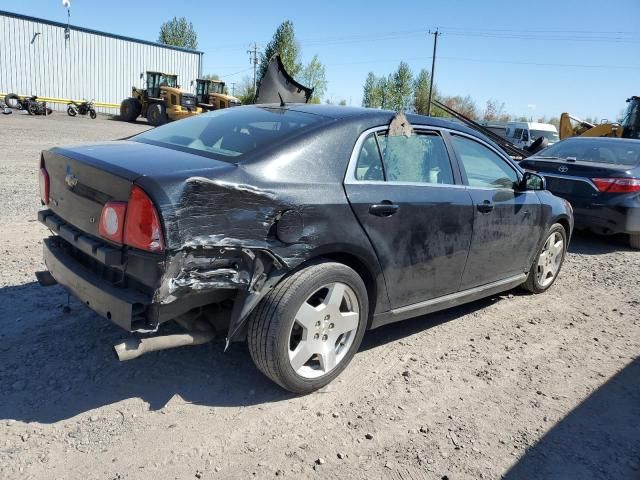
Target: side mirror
(532, 181)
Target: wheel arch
(368, 270)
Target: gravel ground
(515, 386)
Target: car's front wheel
(307, 329)
(548, 262)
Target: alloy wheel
(323, 331)
(550, 259)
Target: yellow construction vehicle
(210, 95)
(571, 126)
(161, 101)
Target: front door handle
(485, 207)
(384, 209)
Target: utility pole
(253, 58)
(435, 34)
(233, 88)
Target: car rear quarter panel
(268, 215)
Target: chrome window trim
(350, 176)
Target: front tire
(92, 114)
(156, 115)
(548, 262)
(306, 330)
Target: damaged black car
(295, 228)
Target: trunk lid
(83, 178)
(573, 178)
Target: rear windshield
(231, 132)
(598, 150)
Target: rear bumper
(609, 219)
(124, 307)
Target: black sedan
(294, 228)
(601, 179)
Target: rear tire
(296, 317)
(129, 109)
(71, 111)
(156, 115)
(634, 240)
(12, 100)
(548, 261)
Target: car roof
(375, 116)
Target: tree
(283, 43)
(421, 92)
(369, 92)
(494, 111)
(381, 93)
(178, 33)
(463, 105)
(342, 103)
(245, 92)
(313, 75)
(400, 85)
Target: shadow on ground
(600, 438)
(56, 365)
(587, 243)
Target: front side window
(484, 167)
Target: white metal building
(37, 58)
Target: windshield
(229, 132)
(600, 150)
(168, 80)
(631, 119)
(551, 136)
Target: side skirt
(447, 301)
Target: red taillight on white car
(617, 185)
(142, 227)
(112, 221)
(43, 180)
(135, 223)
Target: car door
(414, 210)
(506, 223)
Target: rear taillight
(617, 185)
(43, 180)
(142, 227)
(112, 221)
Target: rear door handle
(485, 207)
(384, 209)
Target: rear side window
(369, 166)
(420, 158)
(230, 132)
(484, 167)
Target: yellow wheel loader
(629, 127)
(161, 101)
(210, 95)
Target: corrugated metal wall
(35, 59)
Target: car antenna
(282, 104)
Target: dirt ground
(514, 386)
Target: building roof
(95, 32)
